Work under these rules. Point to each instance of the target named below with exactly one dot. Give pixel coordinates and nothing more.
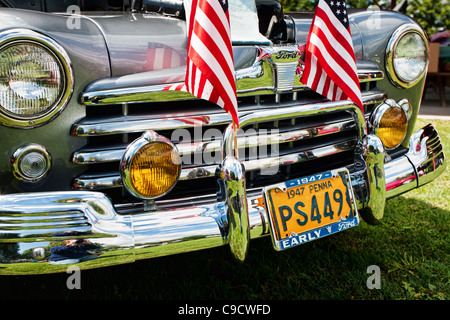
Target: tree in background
(431, 14)
(308, 5)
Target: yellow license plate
(308, 208)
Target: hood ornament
(276, 69)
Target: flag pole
(236, 151)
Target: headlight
(151, 166)
(390, 123)
(407, 56)
(35, 78)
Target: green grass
(410, 246)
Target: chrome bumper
(30, 224)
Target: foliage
(431, 14)
(307, 5)
(298, 5)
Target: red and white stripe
(159, 57)
(175, 87)
(210, 73)
(330, 66)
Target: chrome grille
(304, 143)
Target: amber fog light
(151, 166)
(30, 162)
(390, 123)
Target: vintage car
(101, 164)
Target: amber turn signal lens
(152, 171)
(151, 166)
(391, 125)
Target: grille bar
(129, 124)
(99, 181)
(86, 156)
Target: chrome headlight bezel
(13, 37)
(402, 108)
(398, 34)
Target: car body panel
(120, 92)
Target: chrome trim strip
(198, 173)
(371, 97)
(98, 156)
(50, 210)
(141, 125)
(294, 158)
(159, 92)
(97, 182)
(370, 75)
(427, 155)
(133, 95)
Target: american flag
(330, 66)
(210, 73)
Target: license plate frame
(291, 233)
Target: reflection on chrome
(29, 223)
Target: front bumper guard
(32, 223)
